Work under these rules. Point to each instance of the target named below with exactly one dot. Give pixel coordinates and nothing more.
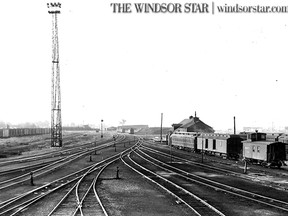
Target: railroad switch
(31, 179)
(245, 166)
(178, 202)
(117, 173)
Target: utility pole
(234, 126)
(114, 138)
(170, 142)
(96, 142)
(161, 128)
(101, 128)
(56, 121)
(202, 150)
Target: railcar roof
(218, 136)
(262, 142)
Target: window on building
(214, 144)
(206, 143)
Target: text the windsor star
(160, 7)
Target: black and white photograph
(144, 108)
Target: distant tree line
(40, 124)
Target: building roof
(185, 121)
(195, 124)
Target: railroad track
(56, 153)
(79, 199)
(17, 159)
(197, 205)
(249, 196)
(51, 166)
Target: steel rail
(79, 201)
(32, 200)
(49, 154)
(57, 164)
(161, 186)
(171, 183)
(97, 177)
(7, 202)
(44, 155)
(193, 162)
(229, 189)
(181, 188)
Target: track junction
(130, 176)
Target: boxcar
(226, 145)
(6, 132)
(284, 139)
(184, 140)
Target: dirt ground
(38, 144)
(134, 195)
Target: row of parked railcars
(262, 148)
(16, 132)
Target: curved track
(197, 205)
(78, 181)
(228, 189)
(23, 177)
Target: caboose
(261, 150)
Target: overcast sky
(137, 66)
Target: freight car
(16, 132)
(184, 140)
(225, 145)
(257, 147)
(267, 152)
(284, 139)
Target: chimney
(195, 114)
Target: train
(260, 148)
(17, 132)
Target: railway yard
(80, 165)
(124, 174)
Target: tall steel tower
(56, 122)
